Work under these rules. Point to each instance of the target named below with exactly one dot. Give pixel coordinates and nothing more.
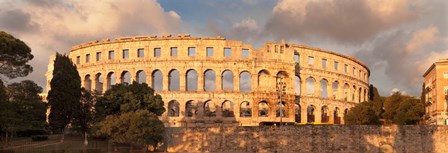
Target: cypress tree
(65, 93)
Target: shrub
(39, 137)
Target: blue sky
(397, 39)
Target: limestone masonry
(210, 80)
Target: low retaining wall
(308, 138)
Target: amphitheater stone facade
(210, 80)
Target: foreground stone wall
(345, 139)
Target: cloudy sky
(397, 39)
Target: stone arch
(346, 91)
(365, 95)
(209, 80)
(87, 82)
(140, 76)
(125, 77)
(263, 109)
(310, 86)
(324, 88)
(191, 80)
(335, 87)
(280, 110)
(209, 109)
(227, 109)
(310, 111)
(157, 80)
(337, 118)
(245, 109)
(297, 113)
(190, 109)
(297, 85)
(227, 80)
(263, 80)
(111, 80)
(245, 82)
(173, 80)
(173, 108)
(345, 112)
(99, 83)
(325, 117)
(353, 93)
(359, 94)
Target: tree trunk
(86, 142)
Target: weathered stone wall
(346, 139)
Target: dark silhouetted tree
(65, 94)
(83, 115)
(14, 56)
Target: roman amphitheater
(210, 80)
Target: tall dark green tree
(377, 100)
(410, 111)
(65, 93)
(25, 95)
(129, 114)
(14, 56)
(83, 115)
(8, 117)
(391, 105)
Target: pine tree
(65, 93)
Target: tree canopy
(129, 114)
(362, 114)
(14, 56)
(65, 93)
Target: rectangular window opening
(191, 51)
(98, 56)
(140, 52)
(245, 53)
(209, 51)
(173, 51)
(111, 54)
(310, 60)
(336, 65)
(87, 58)
(324, 63)
(125, 53)
(78, 59)
(157, 52)
(227, 52)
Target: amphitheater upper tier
(211, 80)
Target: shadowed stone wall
(345, 139)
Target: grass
(71, 144)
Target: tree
(65, 93)
(8, 117)
(83, 115)
(410, 111)
(362, 114)
(14, 56)
(377, 100)
(391, 105)
(129, 114)
(423, 95)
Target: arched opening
(345, 112)
(297, 85)
(192, 80)
(281, 80)
(125, 77)
(365, 95)
(157, 80)
(323, 88)
(209, 80)
(324, 116)
(209, 109)
(263, 80)
(359, 95)
(227, 80)
(310, 113)
(310, 86)
(87, 82)
(335, 90)
(173, 82)
(346, 90)
(337, 118)
(280, 110)
(227, 109)
(263, 109)
(245, 82)
(353, 94)
(173, 108)
(111, 79)
(245, 109)
(297, 113)
(141, 76)
(190, 108)
(99, 83)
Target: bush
(39, 137)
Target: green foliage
(126, 98)
(391, 105)
(83, 115)
(142, 127)
(410, 111)
(129, 114)
(362, 114)
(14, 56)
(65, 94)
(377, 100)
